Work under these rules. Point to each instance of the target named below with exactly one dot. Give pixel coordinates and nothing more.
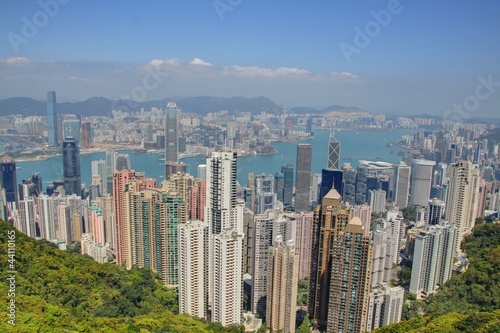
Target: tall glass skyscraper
(287, 171)
(52, 119)
(8, 179)
(71, 166)
(171, 140)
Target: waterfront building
(52, 119)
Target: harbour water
(355, 145)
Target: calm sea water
(361, 145)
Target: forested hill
(58, 291)
(469, 302)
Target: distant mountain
(331, 108)
(96, 106)
(201, 105)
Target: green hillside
(57, 291)
(469, 302)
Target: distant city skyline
(394, 57)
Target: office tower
(333, 153)
(36, 179)
(282, 283)
(441, 178)
(421, 181)
(349, 184)
(265, 197)
(173, 168)
(376, 200)
(303, 177)
(433, 257)
(287, 171)
(86, 135)
(71, 167)
(401, 189)
(52, 119)
(361, 184)
(8, 179)
(329, 219)
(251, 188)
(171, 138)
(364, 212)
(224, 214)
(197, 200)
(309, 126)
(350, 280)
(303, 242)
(99, 168)
(249, 244)
(330, 179)
(461, 200)
(267, 227)
(279, 185)
(202, 171)
(110, 169)
(71, 127)
(434, 212)
(193, 268)
(122, 162)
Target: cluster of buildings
(239, 251)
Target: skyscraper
(401, 188)
(52, 119)
(434, 212)
(303, 177)
(8, 179)
(71, 167)
(421, 181)
(329, 219)
(71, 127)
(193, 270)
(99, 169)
(350, 280)
(224, 215)
(122, 162)
(333, 153)
(287, 171)
(171, 138)
(461, 200)
(282, 282)
(432, 257)
(303, 244)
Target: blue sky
(427, 56)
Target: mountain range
(201, 105)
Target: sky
(395, 57)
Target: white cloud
(161, 62)
(255, 71)
(198, 61)
(15, 61)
